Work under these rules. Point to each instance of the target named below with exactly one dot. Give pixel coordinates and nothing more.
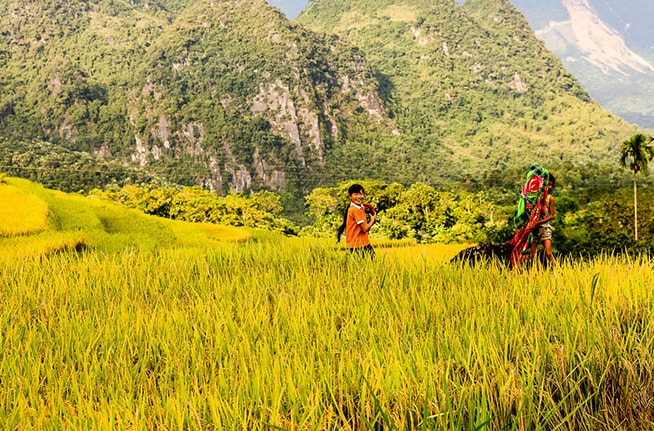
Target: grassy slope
(42, 221)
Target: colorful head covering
(530, 206)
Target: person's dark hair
(354, 188)
(552, 180)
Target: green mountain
(471, 85)
(231, 95)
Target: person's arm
(551, 214)
(366, 225)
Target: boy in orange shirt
(355, 223)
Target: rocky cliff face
(607, 45)
(228, 94)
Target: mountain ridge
(202, 85)
(233, 96)
(437, 50)
(594, 39)
(606, 46)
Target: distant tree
(638, 151)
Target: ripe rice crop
(21, 213)
(299, 335)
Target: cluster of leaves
(194, 204)
(420, 212)
(605, 224)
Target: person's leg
(365, 251)
(534, 247)
(548, 252)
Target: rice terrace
(113, 319)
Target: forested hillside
(227, 95)
(231, 95)
(472, 85)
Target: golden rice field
(21, 213)
(198, 331)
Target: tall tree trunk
(635, 210)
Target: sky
(291, 8)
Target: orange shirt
(355, 237)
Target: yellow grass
(299, 335)
(223, 233)
(115, 320)
(21, 213)
(204, 234)
(421, 254)
(52, 221)
(43, 244)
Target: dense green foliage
(587, 223)
(472, 86)
(56, 167)
(232, 96)
(638, 151)
(194, 204)
(606, 224)
(419, 212)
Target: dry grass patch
(43, 244)
(422, 253)
(224, 233)
(399, 13)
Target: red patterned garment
(531, 205)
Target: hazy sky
(291, 8)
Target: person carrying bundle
(357, 221)
(534, 212)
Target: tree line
(419, 213)
(594, 207)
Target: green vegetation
(194, 204)
(56, 167)
(232, 98)
(471, 88)
(421, 213)
(638, 151)
(237, 98)
(589, 221)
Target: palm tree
(639, 152)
